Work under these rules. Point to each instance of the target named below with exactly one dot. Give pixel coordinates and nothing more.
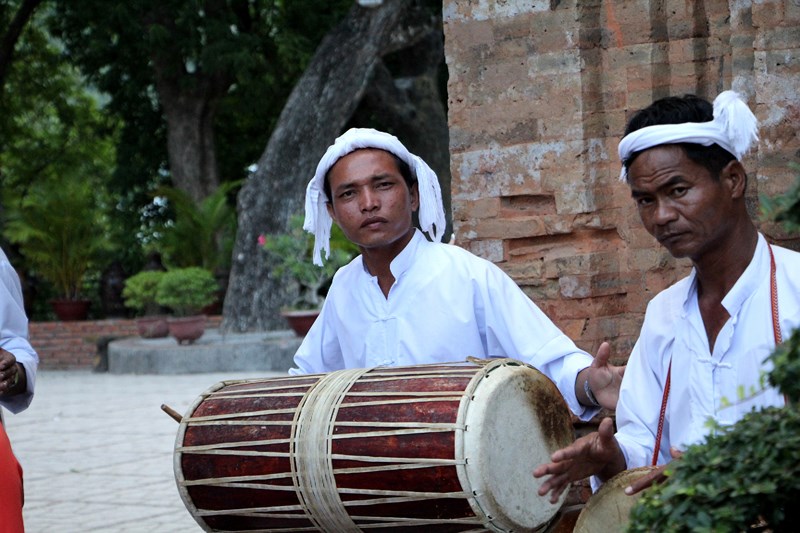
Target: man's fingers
(606, 429)
(555, 486)
(602, 356)
(656, 476)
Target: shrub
(139, 292)
(186, 290)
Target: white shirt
(446, 304)
(14, 333)
(723, 384)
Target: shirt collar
(747, 283)
(750, 279)
(404, 259)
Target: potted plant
(186, 291)
(60, 231)
(139, 294)
(291, 255)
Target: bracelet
(16, 378)
(590, 394)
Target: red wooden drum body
(422, 448)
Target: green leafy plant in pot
(60, 231)
(186, 291)
(291, 257)
(139, 294)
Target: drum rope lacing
(311, 446)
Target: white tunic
(14, 333)
(446, 304)
(721, 385)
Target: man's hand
(652, 478)
(12, 377)
(604, 379)
(596, 453)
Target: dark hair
(405, 171)
(677, 110)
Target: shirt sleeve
(641, 393)
(516, 327)
(14, 334)
(320, 350)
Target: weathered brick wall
(539, 92)
(74, 345)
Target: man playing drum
(408, 301)
(706, 337)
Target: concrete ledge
(213, 352)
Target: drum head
(608, 509)
(514, 419)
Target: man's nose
(369, 200)
(664, 212)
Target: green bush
(139, 292)
(187, 290)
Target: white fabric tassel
(737, 121)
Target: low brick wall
(76, 345)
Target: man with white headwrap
(406, 300)
(704, 340)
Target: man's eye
(643, 202)
(385, 184)
(678, 191)
(346, 194)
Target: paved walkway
(97, 451)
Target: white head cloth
(734, 128)
(318, 221)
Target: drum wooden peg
(172, 413)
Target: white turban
(734, 128)
(318, 221)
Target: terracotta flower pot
(187, 329)
(300, 320)
(152, 327)
(68, 310)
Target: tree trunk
(318, 108)
(190, 143)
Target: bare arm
(603, 380)
(594, 454)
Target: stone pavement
(96, 449)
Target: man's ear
(736, 176)
(414, 192)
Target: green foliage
(258, 48)
(786, 367)
(201, 234)
(186, 290)
(748, 474)
(291, 255)
(140, 289)
(60, 230)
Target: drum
(421, 448)
(608, 508)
